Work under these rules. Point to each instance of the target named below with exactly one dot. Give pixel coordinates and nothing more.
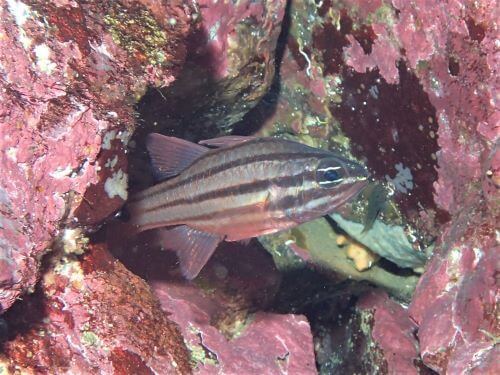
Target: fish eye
(329, 175)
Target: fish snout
(356, 171)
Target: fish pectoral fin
(226, 141)
(170, 155)
(193, 247)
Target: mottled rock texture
(70, 73)
(221, 314)
(411, 88)
(88, 315)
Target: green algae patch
(138, 33)
(198, 352)
(89, 338)
(320, 239)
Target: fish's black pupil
(331, 175)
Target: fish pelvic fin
(193, 247)
(170, 155)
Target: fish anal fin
(226, 141)
(193, 247)
(170, 155)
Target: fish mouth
(357, 186)
(357, 172)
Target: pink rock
(217, 312)
(229, 67)
(92, 315)
(454, 307)
(441, 121)
(265, 343)
(393, 331)
(68, 85)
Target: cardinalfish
(246, 187)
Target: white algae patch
(11, 153)
(123, 136)
(403, 181)
(108, 137)
(42, 52)
(110, 163)
(74, 241)
(61, 172)
(116, 185)
(21, 13)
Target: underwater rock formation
(229, 67)
(69, 74)
(91, 314)
(223, 313)
(408, 88)
(221, 328)
(379, 334)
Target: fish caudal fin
(170, 155)
(193, 247)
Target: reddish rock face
(221, 313)
(412, 84)
(92, 314)
(221, 306)
(69, 76)
(392, 331)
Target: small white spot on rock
(11, 153)
(403, 181)
(20, 11)
(42, 52)
(74, 241)
(61, 172)
(108, 137)
(373, 92)
(116, 185)
(110, 163)
(214, 30)
(123, 136)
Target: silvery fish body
(245, 189)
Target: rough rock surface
(378, 332)
(221, 312)
(91, 314)
(392, 332)
(229, 67)
(69, 74)
(411, 88)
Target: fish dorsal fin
(193, 247)
(226, 141)
(170, 155)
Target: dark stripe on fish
(224, 167)
(240, 189)
(283, 204)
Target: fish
(245, 187)
(377, 203)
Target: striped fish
(245, 188)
